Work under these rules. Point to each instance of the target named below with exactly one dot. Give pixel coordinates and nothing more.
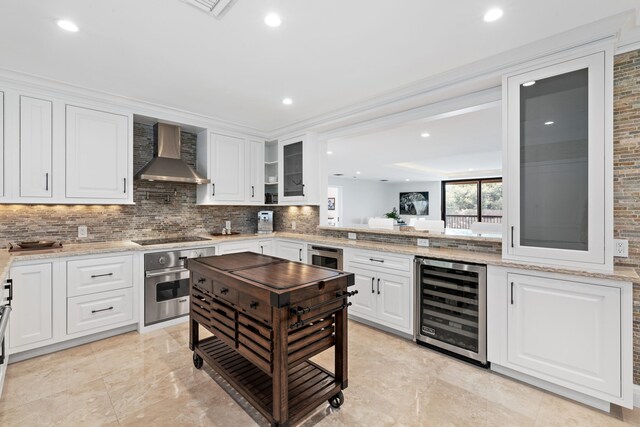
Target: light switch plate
(423, 242)
(227, 225)
(293, 225)
(82, 231)
(621, 248)
(352, 236)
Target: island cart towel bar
(268, 317)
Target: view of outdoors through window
(461, 202)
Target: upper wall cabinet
(558, 168)
(58, 153)
(36, 143)
(97, 147)
(298, 173)
(234, 165)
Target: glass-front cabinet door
(292, 171)
(555, 173)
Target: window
(471, 200)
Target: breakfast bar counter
(269, 316)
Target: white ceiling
(455, 145)
(326, 55)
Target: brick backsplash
(148, 218)
(434, 242)
(626, 175)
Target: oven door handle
(166, 272)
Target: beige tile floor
(150, 380)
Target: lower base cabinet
(384, 295)
(31, 315)
(293, 251)
(235, 247)
(572, 333)
(93, 311)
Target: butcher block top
(276, 274)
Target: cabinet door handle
(9, 286)
(302, 190)
(103, 309)
(378, 286)
(124, 187)
(253, 191)
(512, 235)
(512, 293)
(93, 276)
(373, 279)
(262, 249)
(300, 254)
(46, 181)
(213, 189)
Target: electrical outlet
(621, 248)
(352, 236)
(293, 225)
(82, 231)
(422, 242)
(227, 225)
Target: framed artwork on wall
(414, 203)
(332, 204)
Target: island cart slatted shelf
(268, 317)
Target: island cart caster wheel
(337, 400)
(197, 361)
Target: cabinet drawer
(89, 276)
(202, 283)
(88, 312)
(253, 307)
(382, 260)
(225, 293)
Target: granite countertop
(407, 231)
(81, 249)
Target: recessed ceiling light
(68, 25)
(329, 152)
(287, 101)
(493, 15)
(425, 135)
(272, 20)
(550, 122)
(470, 169)
(407, 179)
(358, 172)
(527, 84)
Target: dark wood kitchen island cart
(268, 317)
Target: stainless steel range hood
(166, 164)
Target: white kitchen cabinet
(97, 153)
(88, 276)
(558, 157)
(235, 247)
(571, 335)
(31, 317)
(267, 247)
(234, 163)
(36, 145)
(385, 293)
(567, 330)
(298, 170)
(255, 171)
(99, 310)
(2, 119)
(364, 302)
(293, 251)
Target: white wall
(362, 199)
(433, 187)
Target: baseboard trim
(594, 402)
(381, 327)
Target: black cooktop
(166, 240)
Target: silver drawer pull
(102, 309)
(182, 300)
(376, 260)
(93, 276)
